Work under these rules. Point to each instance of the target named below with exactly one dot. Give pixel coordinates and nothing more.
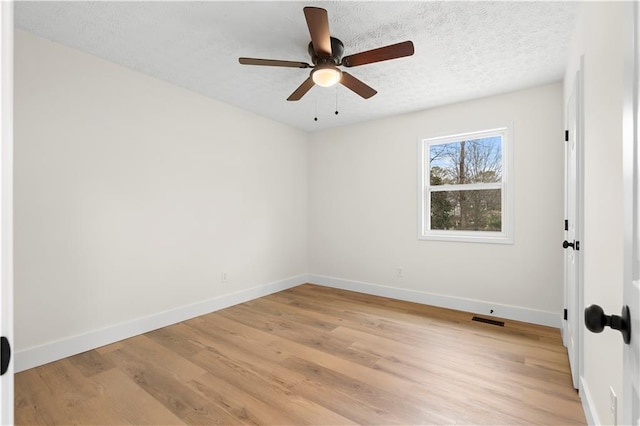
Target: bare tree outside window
(456, 169)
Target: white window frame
(506, 186)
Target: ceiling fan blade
(352, 83)
(393, 51)
(318, 23)
(273, 63)
(301, 90)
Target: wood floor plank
(291, 330)
(274, 391)
(352, 393)
(34, 404)
(175, 339)
(313, 355)
(54, 393)
(245, 407)
(281, 350)
(90, 363)
(123, 402)
(175, 395)
(154, 354)
(409, 361)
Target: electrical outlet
(399, 271)
(224, 277)
(613, 405)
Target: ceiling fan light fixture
(326, 76)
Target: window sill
(468, 237)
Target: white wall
(599, 37)
(133, 195)
(363, 208)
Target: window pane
(475, 210)
(465, 162)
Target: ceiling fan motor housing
(337, 49)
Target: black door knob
(5, 349)
(595, 320)
(567, 244)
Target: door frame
(578, 328)
(631, 206)
(6, 202)
(580, 215)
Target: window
(465, 188)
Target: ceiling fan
(326, 55)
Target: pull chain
(316, 117)
(336, 99)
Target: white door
(631, 173)
(571, 245)
(6, 207)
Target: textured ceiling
(463, 50)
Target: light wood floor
(312, 355)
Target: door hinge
(566, 136)
(565, 314)
(566, 225)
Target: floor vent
(488, 321)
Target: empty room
(325, 212)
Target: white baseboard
(551, 319)
(43, 354)
(587, 404)
(52, 351)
